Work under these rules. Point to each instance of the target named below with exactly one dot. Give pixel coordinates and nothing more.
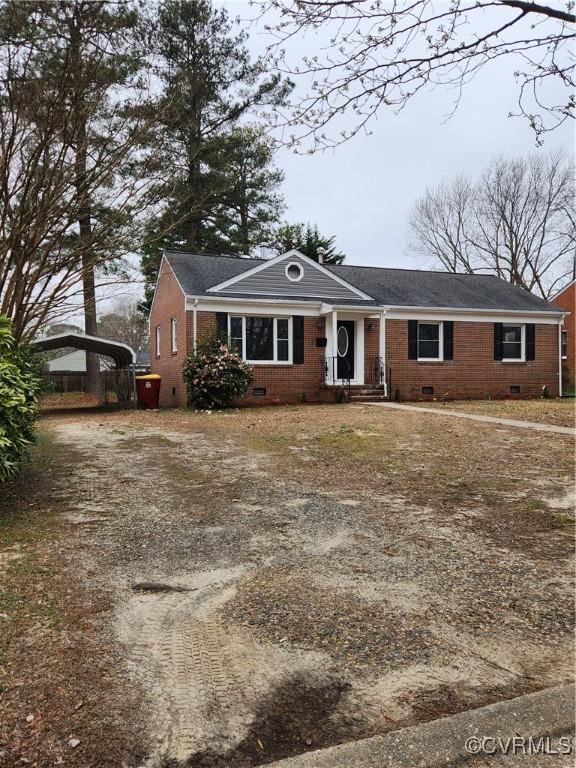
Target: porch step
(367, 398)
(365, 394)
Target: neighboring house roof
(74, 362)
(142, 359)
(563, 290)
(197, 274)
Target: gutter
(323, 306)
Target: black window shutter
(530, 341)
(298, 339)
(412, 339)
(498, 331)
(222, 323)
(448, 327)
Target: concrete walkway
(477, 417)
(442, 743)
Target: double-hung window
(513, 342)
(261, 339)
(173, 336)
(430, 341)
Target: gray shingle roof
(388, 287)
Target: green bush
(19, 387)
(215, 375)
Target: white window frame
(301, 271)
(564, 335)
(522, 358)
(275, 360)
(157, 341)
(440, 357)
(173, 335)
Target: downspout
(195, 324)
(383, 350)
(560, 324)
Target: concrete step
(375, 397)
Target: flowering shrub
(19, 386)
(215, 375)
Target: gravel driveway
(262, 616)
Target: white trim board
(321, 308)
(473, 315)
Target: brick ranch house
(310, 329)
(566, 300)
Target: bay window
(259, 339)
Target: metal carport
(123, 355)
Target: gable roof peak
(268, 264)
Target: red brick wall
(473, 373)
(567, 300)
(283, 383)
(168, 303)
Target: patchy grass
(422, 563)
(279, 602)
(58, 679)
(449, 463)
(560, 413)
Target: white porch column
(333, 373)
(382, 347)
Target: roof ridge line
(335, 266)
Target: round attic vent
(294, 271)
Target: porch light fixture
(319, 324)
(371, 325)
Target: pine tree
(82, 53)
(307, 239)
(208, 84)
(252, 204)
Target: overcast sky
(362, 192)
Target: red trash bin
(148, 390)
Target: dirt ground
(561, 413)
(228, 589)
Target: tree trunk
(84, 220)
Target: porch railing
(375, 372)
(333, 376)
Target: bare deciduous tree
(517, 222)
(127, 324)
(379, 53)
(65, 160)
